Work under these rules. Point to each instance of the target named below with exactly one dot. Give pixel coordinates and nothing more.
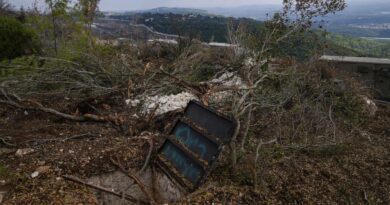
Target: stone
(167, 103)
(370, 106)
(34, 174)
(43, 169)
(22, 152)
(40, 170)
(133, 103)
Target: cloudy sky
(121, 5)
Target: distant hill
(262, 12)
(175, 10)
(162, 10)
(207, 28)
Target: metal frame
(206, 167)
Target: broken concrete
(161, 187)
(164, 104)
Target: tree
(88, 10)
(295, 18)
(21, 15)
(57, 9)
(5, 8)
(15, 39)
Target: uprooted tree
(296, 17)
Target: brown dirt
(354, 172)
(82, 157)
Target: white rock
(22, 152)
(229, 79)
(370, 106)
(133, 103)
(167, 103)
(34, 174)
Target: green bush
(15, 39)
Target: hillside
(173, 10)
(135, 108)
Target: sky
(126, 5)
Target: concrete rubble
(164, 104)
(167, 103)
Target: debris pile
(163, 104)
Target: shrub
(15, 39)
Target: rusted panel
(194, 144)
(183, 163)
(201, 130)
(166, 166)
(187, 151)
(196, 141)
(214, 122)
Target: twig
(150, 141)
(133, 177)
(83, 118)
(82, 136)
(366, 197)
(246, 131)
(120, 195)
(5, 139)
(333, 123)
(260, 145)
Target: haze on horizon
(128, 5)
